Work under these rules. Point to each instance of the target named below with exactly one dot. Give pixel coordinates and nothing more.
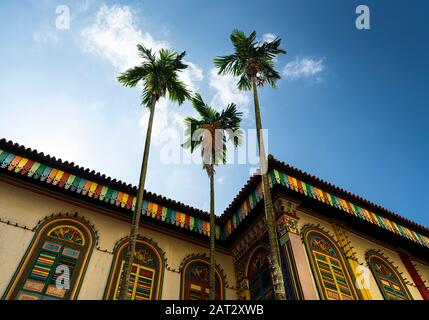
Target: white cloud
(268, 37)
(114, 36)
(304, 68)
(227, 92)
(191, 75)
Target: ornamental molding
(250, 239)
(286, 206)
(150, 241)
(286, 225)
(72, 216)
(202, 256)
(287, 219)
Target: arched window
(389, 281)
(55, 261)
(328, 265)
(195, 280)
(147, 271)
(259, 276)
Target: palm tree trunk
(129, 256)
(212, 284)
(276, 270)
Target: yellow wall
(361, 246)
(26, 208)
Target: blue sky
(351, 107)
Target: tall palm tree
(159, 75)
(253, 62)
(210, 133)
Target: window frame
(117, 265)
(317, 273)
(185, 288)
(32, 253)
(259, 275)
(372, 254)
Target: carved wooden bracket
(287, 220)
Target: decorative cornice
(332, 200)
(287, 220)
(16, 160)
(249, 239)
(104, 191)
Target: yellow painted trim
(136, 278)
(329, 263)
(70, 227)
(340, 234)
(118, 252)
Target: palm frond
(193, 133)
(212, 131)
(251, 59)
(132, 76)
(145, 53)
(159, 74)
(178, 62)
(244, 83)
(225, 64)
(177, 91)
(207, 113)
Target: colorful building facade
(64, 230)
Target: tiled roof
(18, 160)
(315, 188)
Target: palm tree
(210, 134)
(253, 62)
(159, 77)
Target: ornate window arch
(330, 270)
(259, 275)
(389, 281)
(147, 272)
(54, 264)
(195, 279)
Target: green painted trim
(150, 241)
(34, 240)
(304, 231)
(370, 253)
(202, 257)
(294, 272)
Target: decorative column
(291, 244)
(240, 258)
(418, 281)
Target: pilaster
(291, 244)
